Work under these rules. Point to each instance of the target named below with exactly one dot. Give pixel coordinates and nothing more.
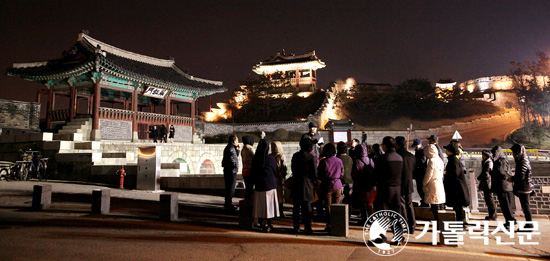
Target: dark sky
(372, 41)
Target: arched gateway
(119, 90)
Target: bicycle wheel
(4, 174)
(42, 167)
(24, 173)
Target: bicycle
(32, 166)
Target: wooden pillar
(38, 93)
(134, 116)
(193, 117)
(97, 104)
(167, 110)
(72, 102)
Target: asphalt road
(485, 135)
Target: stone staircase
(78, 129)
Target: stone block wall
(212, 128)
(18, 115)
(115, 130)
(183, 133)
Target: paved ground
(132, 231)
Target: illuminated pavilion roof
(282, 62)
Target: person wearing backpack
(500, 184)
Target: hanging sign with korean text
(155, 92)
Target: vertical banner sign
(155, 92)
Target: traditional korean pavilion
(301, 69)
(116, 89)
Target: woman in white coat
(434, 191)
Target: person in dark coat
(347, 180)
(485, 183)
(330, 173)
(155, 134)
(419, 169)
(435, 141)
(163, 132)
(304, 177)
(388, 175)
(457, 194)
(317, 139)
(172, 133)
(230, 164)
(523, 184)
(500, 184)
(407, 187)
(266, 205)
(364, 181)
(364, 138)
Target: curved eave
(24, 72)
(271, 68)
(128, 75)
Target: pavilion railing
(143, 117)
(181, 120)
(149, 117)
(59, 115)
(115, 114)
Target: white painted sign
(340, 136)
(155, 92)
(457, 136)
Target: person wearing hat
(523, 184)
(456, 187)
(419, 168)
(435, 141)
(317, 139)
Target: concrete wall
(19, 115)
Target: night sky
(372, 41)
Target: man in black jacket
(419, 169)
(389, 173)
(407, 188)
(230, 164)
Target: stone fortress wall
(19, 116)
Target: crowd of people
(370, 178)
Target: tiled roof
(285, 59)
(81, 59)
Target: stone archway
(209, 156)
(207, 167)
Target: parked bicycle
(32, 165)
